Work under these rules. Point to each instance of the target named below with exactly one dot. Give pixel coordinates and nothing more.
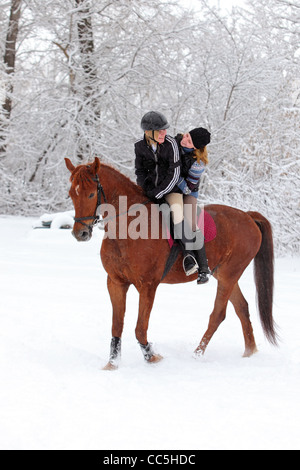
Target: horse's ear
(69, 165)
(96, 165)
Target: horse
(140, 260)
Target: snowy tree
(274, 145)
(247, 95)
(6, 78)
(86, 71)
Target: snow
(55, 330)
(57, 220)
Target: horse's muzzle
(83, 235)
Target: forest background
(76, 77)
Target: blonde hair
(201, 155)
(149, 138)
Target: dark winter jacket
(157, 172)
(187, 159)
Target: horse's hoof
(155, 358)
(250, 352)
(199, 352)
(110, 366)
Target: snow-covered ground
(55, 322)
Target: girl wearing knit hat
(192, 146)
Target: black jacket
(157, 172)
(187, 159)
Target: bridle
(95, 218)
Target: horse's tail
(264, 277)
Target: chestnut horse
(241, 238)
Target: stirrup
(191, 268)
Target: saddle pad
(207, 225)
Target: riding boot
(190, 265)
(203, 269)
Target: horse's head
(85, 192)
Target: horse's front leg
(147, 295)
(117, 292)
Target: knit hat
(200, 137)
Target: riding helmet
(154, 121)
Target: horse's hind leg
(241, 308)
(117, 292)
(147, 295)
(217, 316)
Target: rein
(95, 217)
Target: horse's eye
(91, 195)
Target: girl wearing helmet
(157, 169)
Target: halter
(95, 217)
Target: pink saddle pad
(207, 225)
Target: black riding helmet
(154, 121)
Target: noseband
(95, 218)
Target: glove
(186, 190)
(150, 194)
(183, 186)
(193, 186)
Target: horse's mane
(123, 179)
(84, 176)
